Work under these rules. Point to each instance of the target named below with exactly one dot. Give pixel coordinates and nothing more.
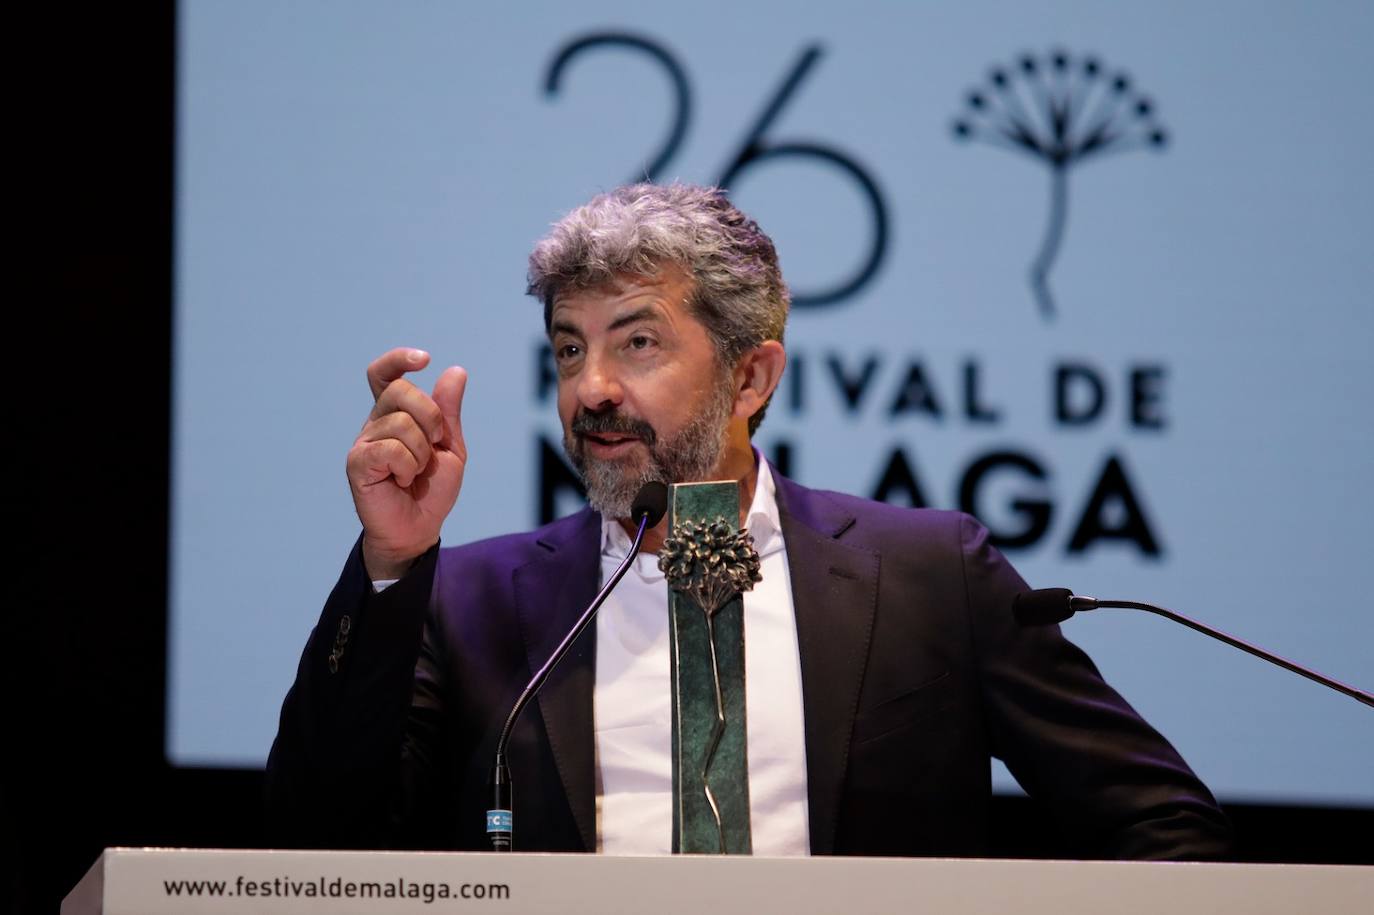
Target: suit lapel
(834, 596)
(551, 593)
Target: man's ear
(756, 376)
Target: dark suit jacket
(913, 675)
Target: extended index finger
(391, 365)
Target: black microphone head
(650, 501)
(1042, 607)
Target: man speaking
(883, 665)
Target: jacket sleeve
(358, 736)
(1119, 788)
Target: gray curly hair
(738, 292)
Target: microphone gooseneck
(1054, 605)
(648, 508)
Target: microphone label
(499, 821)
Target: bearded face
(616, 453)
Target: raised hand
(406, 467)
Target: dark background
(87, 650)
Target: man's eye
(567, 351)
(639, 341)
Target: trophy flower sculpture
(1060, 111)
(710, 562)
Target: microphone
(649, 507)
(1054, 605)
(1048, 605)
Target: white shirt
(631, 702)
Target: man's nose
(598, 385)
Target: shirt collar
(763, 523)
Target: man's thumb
(448, 396)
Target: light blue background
(356, 176)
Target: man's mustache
(613, 422)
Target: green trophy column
(709, 563)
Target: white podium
(150, 881)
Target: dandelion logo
(1061, 111)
